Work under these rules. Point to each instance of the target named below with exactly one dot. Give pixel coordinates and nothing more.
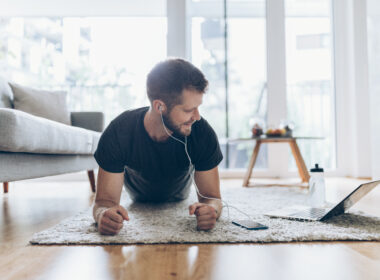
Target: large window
(234, 60)
(101, 61)
(237, 94)
(310, 87)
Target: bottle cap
(316, 168)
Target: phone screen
(249, 224)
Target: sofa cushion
(88, 120)
(41, 103)
(6, 95)
(23, 132)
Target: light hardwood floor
(32, 206)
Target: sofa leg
(5, 187)
(91, 177)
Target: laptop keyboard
(311, 213)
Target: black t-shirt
(155, 171)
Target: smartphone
(249, 224)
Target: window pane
(246, 71)
(310, 90)
(207, 45)
(102, 69)
(247, 85)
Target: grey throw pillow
(41, 103)
(5, 94)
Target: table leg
(251, 163)
(302, 169)
(91, 177)
(5, 187)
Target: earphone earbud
(160, 108)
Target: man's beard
(172, 126)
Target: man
(149, 150)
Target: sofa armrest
(88, 120)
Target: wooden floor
(32, 206)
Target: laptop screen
(358, 193)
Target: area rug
(171, 223)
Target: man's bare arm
(108, 189)
(207, 210)
(107, 212)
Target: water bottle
(317, 187)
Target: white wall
(362, 163)
(373, 8)
(352, 89)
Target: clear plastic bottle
(317, 187)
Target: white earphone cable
(192, 176)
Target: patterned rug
(171, 223)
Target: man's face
(182, 116)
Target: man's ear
(159, 106)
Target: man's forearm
(108, 190)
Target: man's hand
(110, 221)
(206, 215)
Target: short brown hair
(167, 80)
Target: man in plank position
(155, 151)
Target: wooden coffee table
(292, 141)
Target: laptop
(304, 213)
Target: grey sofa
(32, 146)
